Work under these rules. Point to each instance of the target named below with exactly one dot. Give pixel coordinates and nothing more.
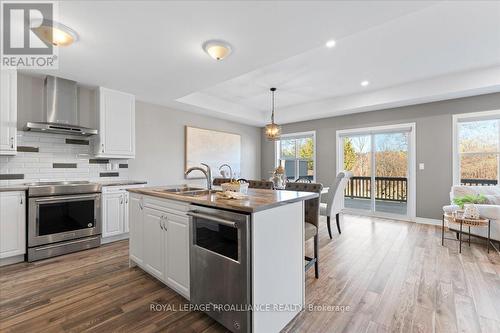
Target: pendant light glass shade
(272, 131)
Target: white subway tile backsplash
(37, 166)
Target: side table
(458, 219)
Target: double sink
(187, 191)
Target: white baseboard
(114, 238)
(11, 260)
(424, 220)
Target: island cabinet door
(154, 238)
(177, 253)
(136, 225)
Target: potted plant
(469, 201)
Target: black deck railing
(478, 182)
(386, 188)
(394, 188)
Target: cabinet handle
(21, 201)
(102, 146)
(12, 142)
(121, 199)
(140, 205)
(161, 222)
(164, 224)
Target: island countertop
(258, 199)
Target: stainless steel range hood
(60, 109)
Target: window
(477, 148)
(297, 153)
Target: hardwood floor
(392, 276)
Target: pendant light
(272, 131)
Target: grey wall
(160, 144)
(433, 136)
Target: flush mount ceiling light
(272, 130)
(365, 83)
(331, 43)
(217, 49)
(55, 33)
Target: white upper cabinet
(116, 138)
(12, 224)
(8, 112)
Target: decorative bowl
(235, 187)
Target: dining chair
(311, 219)
(242, 180)
(262, 184)
(303, 180)
(335, 195)
(219, 181)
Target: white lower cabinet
(177, 253)
(153, 239)
(12, 224)
(136, 221)
(159, 240)
(115, 212)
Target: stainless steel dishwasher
(220, 265)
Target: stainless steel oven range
(63, 217)
(220, 250)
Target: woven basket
(457, 218)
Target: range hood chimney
(60, 109)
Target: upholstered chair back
(311, 206)
(262, 184)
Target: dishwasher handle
(213, 218)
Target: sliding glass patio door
(380, 159)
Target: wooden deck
(384, 206)
(393, 276)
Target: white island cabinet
(159, 240)
(269, 257)
(12, 227)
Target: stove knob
(236, 325)
(89, 225)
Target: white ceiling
(410, 51)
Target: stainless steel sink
(197, 193)
(179, 190)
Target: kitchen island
(235, 254)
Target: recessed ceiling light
(55, 33)
(365, 83)
(331, 43)
(217, 49)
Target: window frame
(470, 117)
(277, 149)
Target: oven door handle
(67, 198)
(213, 218)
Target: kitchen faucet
(230, 170)
(207, 173)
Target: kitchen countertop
(120, 182)
(258, 199)
(24, 187)
(6, 188)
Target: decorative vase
(471, 211)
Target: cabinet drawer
(169, 206)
